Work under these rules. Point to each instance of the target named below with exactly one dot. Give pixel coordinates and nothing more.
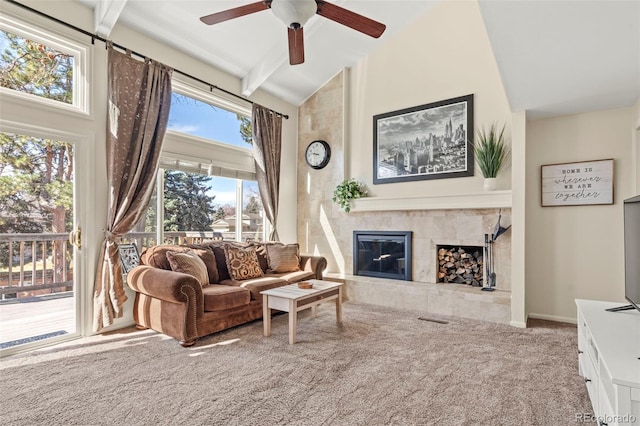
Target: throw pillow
(242, 263)
(283, 257)
(156, 256)
(189, 263)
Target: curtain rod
(95, 37)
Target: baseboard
(518, 324)
(553, 318)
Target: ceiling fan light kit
(295, 14)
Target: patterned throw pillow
(283, 257)
(242, 262)
(189, 263)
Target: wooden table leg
(339, 305)
(266, 315)
(314, 311)
(293, 317)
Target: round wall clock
(318, 154)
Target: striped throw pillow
(189, 263)
(283, 257)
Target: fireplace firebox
(382, 254)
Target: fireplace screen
(382, 254)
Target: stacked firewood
(456, 265)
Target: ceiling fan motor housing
(294, 13)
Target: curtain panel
(267, 147)
(139, 97)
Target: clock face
(318, 154)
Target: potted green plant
(348, 190)
(491, 153)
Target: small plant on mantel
(348, 190)
(492, 154)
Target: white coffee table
(293, 299)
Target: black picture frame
(431, 141)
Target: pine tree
(36, 190)
(187, 207)
(246, 132)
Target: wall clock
(318, 154)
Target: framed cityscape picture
(432, 141)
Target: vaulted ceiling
(555, 57)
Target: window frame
(80, 104)
(200, 154)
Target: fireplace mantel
(480, 200)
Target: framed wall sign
(577, 184)
(432, 141)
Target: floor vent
(433, 320)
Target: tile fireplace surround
(464, 227)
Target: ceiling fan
(295, 13)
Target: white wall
(576, 252)
(91, 129)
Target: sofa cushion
(242, 262)
(217, 248)
(283, 257)
(156, 256)
(294, 277)
(220, 297)
(256, 285)
(261, 252)
(189, 263)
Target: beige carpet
(381, 367)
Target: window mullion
(160, 207)
(239, 210)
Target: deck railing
(35, 264)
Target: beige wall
(89, 131)
(636, 146)
(416, 67)
(576, 252)
(444, 54)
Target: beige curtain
(267, 141)
(139, 96)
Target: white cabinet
(609, 361)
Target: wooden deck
(36, 317)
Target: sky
(197, 118)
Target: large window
(207, 187)
(195, 117)
(41, 67)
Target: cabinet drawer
(591, 381)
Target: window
(204, 115)
(196, 207)
(40, 67)
(207, 186)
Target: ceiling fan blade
(296, 46)
(350, 19)
(236, 12)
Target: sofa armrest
(169, 286)
(315, 264)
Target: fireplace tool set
(490, 274)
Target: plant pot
(489, 184)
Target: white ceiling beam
(106, 14)
(277, 56)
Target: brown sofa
(179, 305)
